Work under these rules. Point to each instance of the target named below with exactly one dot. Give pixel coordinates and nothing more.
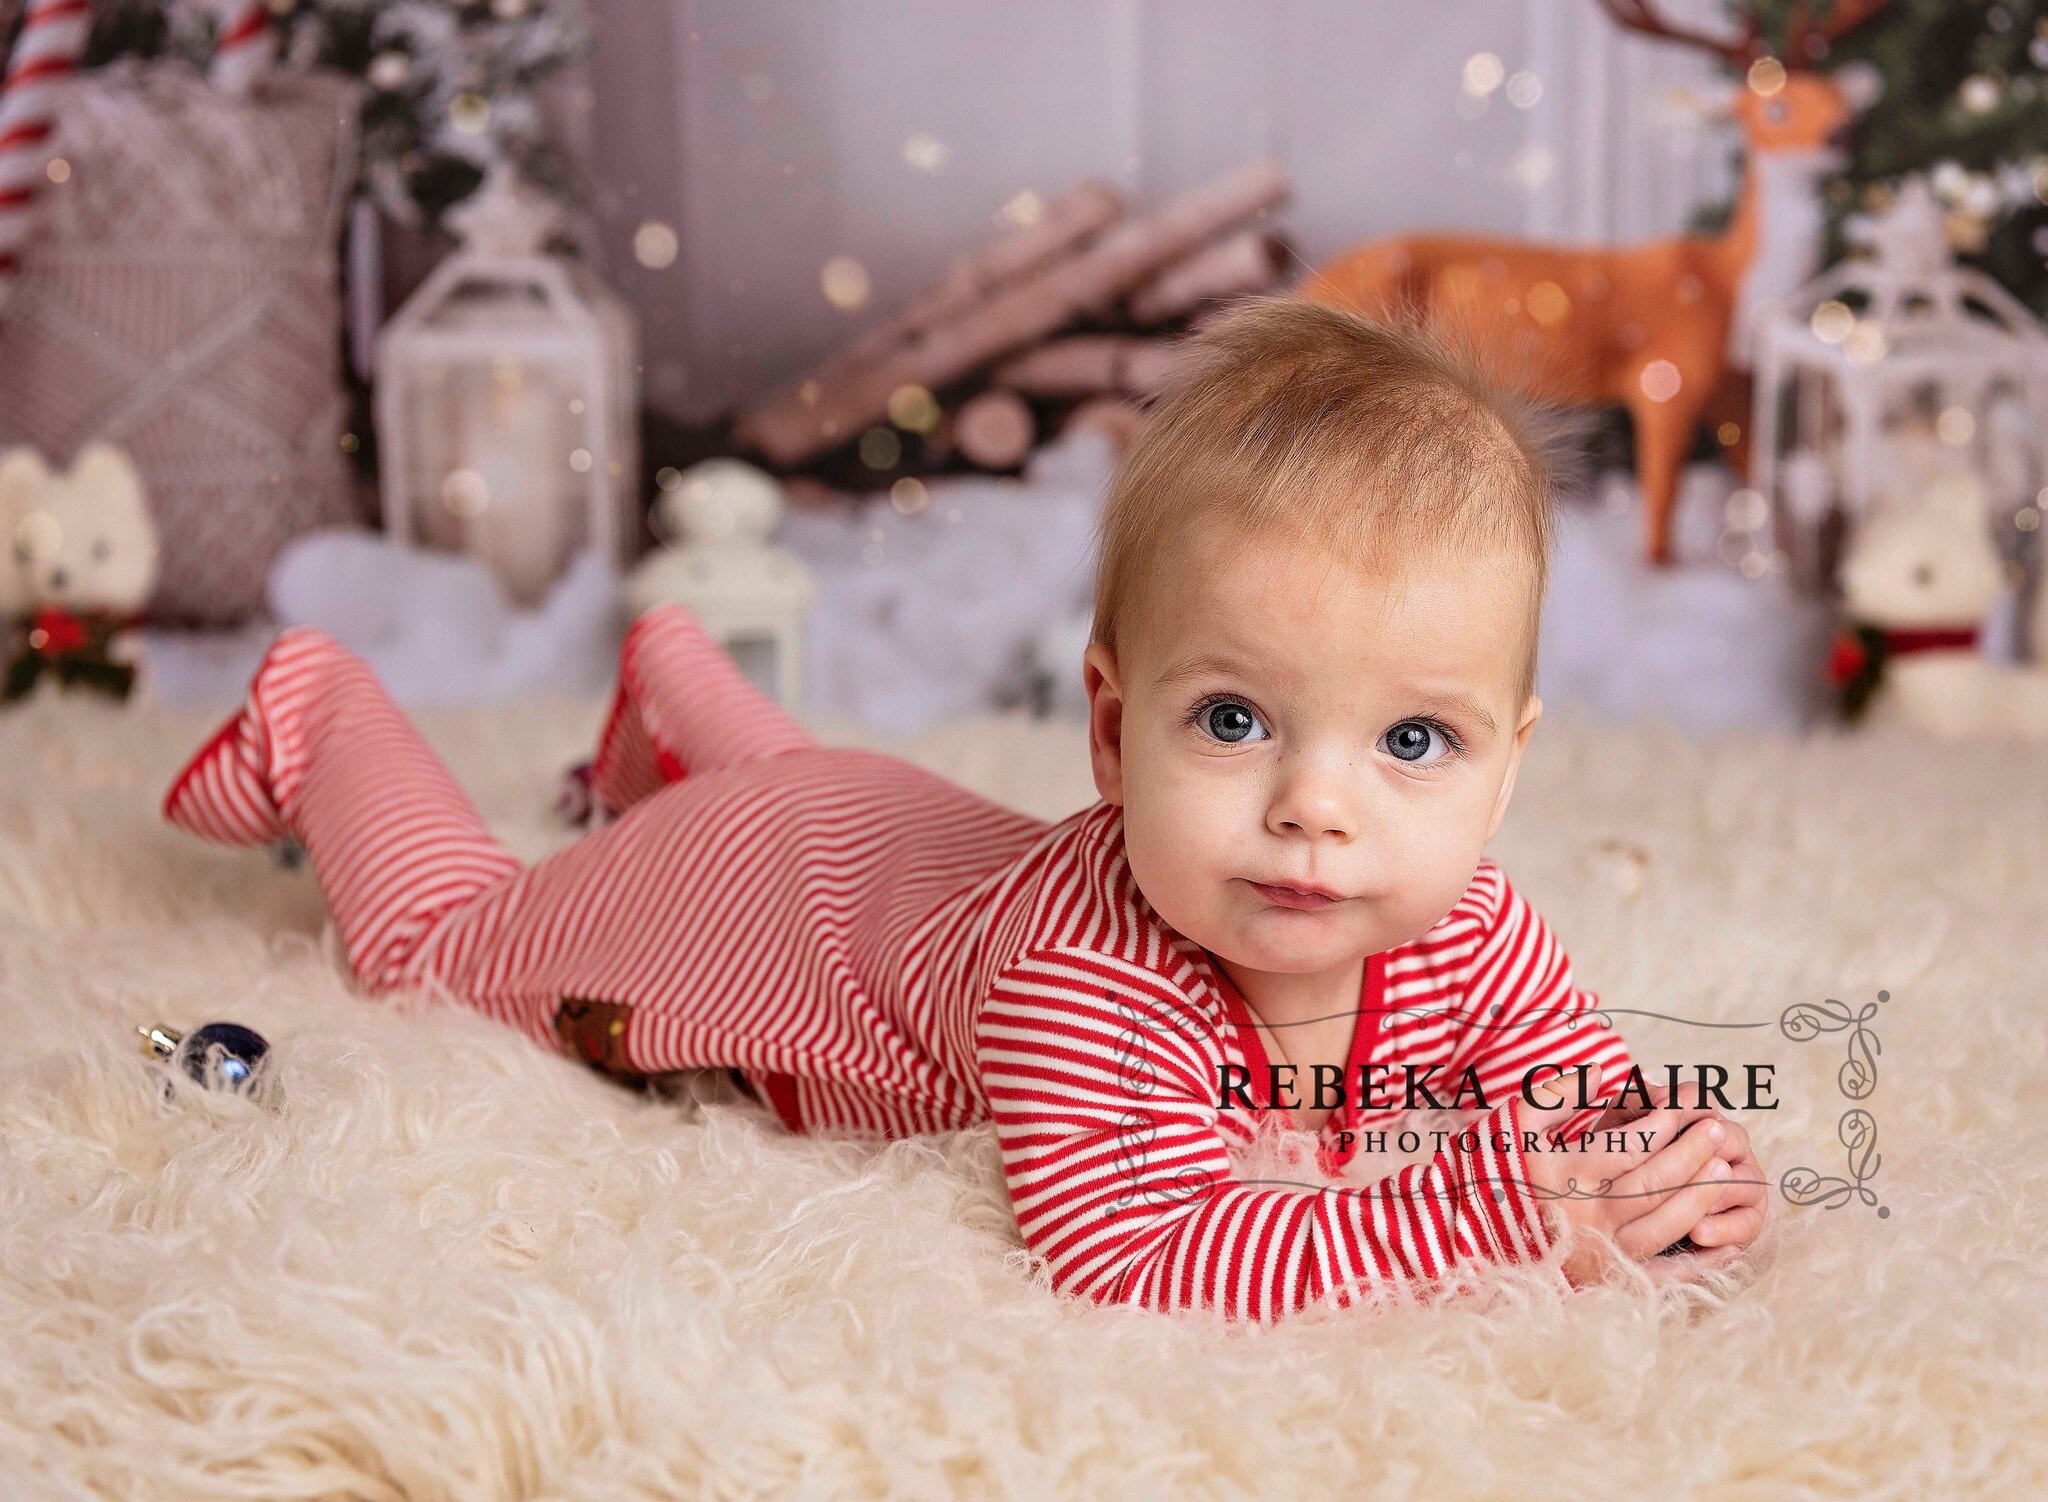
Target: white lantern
(1906, 338)
(507, 413)
(751, 596)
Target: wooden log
(1069, 219)
(1088, 365)
(1079, 365)
(995, 430)
(1065, 222)
(1110, 415)
(1245, 263)
(1149, 365)
(789, 432)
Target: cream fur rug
(454, 1266)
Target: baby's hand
(1738, 1219)
(1639, 1200)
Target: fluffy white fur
(454, 1265)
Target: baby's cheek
(1433, 864)
(1179, 864)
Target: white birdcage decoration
(506, 401)
(1905, 337)
(751, 596)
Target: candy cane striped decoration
(247, 45)
(46, 53)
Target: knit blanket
(446, 1263)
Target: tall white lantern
(506, 401)
(1906, 336)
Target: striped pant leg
(682, 705)
(321, 753)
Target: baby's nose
(1324, 826)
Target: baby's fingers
(1669, 1124)
(1739, 1220)
(1674, 1215)
(1729, 1228)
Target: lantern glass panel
(494, 467)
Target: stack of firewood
(1069, 320)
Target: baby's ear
(1532, 711)
(1104, 686)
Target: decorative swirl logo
(1137, 1129)
(1571, 1016)
(1138, 1070)
(1802, 1022)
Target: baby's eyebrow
(1201, 667)
(1457, 705)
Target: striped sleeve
(1524, 1010)
(1103, 1079)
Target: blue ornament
(220, 1055)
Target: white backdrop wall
(771, 135)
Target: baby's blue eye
(1230, 722)
(1416, 742)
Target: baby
(1322, 567)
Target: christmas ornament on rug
(79, 561)
(219, 1056)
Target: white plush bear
(78, 561)
(1919, 577)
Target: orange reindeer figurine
(1647, 326)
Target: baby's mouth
(1303, 899)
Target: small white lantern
(754, 598)
(1905, 337)
(507, 410)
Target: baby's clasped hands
(1684, 1171)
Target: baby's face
(1282, 720)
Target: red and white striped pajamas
(875, 949)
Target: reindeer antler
(1642, 16)
(1805, 43)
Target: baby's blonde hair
(1361, 436)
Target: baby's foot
(235, 787)
(630, 762)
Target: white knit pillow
(182, 300)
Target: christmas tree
(452, 85)
(1964, 101)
